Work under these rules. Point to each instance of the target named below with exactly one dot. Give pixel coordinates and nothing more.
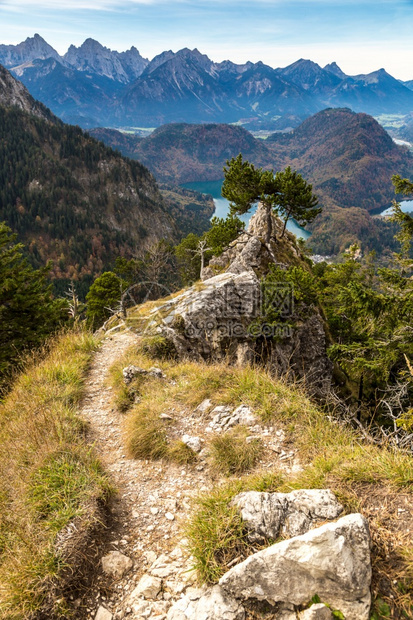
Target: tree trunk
(285, 226)
(269, 225)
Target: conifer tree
(284, 193)
(103, 298)
(28, 312)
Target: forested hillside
(182, 153)
(348, 157)
(73, 200)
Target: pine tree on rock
(284, 193)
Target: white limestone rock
(116, 564)
(332, 561)
(192, 442)
(204, 406)
(316, 612)
(268, 515)
(103, 614)
(148, 587)
(225, 418)
(210, 604)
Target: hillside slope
(69, 197)
(348, 157)
(72, 199)
(182, 153)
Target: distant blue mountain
(92, 85)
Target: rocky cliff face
(92, 56)
(13, 93)
(31, 49)
(226, 317)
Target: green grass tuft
(178, 452)
(232, 454)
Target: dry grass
(48, 476)
(147, 438)
(180, 453)
(332, 456)
(232, 453)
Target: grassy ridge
(373, 480)
(49, 477)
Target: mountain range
(92, 85)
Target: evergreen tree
(28, 312)
(103, 298)
(284, 193)
(222, 232)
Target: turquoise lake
(222, 205)
(406, 206)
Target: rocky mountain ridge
(91, 56)
(13, 93)
(187, 85)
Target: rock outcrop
(225, 316)
(269, 515)
(332, 561)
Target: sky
(360, 35)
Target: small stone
(317, 612)
(169, 516)
(148, 587)
(130, 372)
(204, 406)
(116, 564)
(192, 442)
(103, 614)
(150, 556)
(154, 510)
(156, 372)
(141, 609)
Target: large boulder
(211, 320)
(332, 561)
(269, 515)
